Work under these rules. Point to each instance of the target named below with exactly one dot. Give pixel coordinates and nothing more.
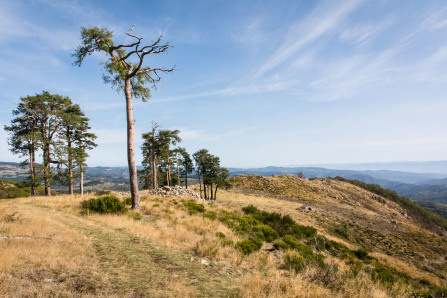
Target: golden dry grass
(52, 249)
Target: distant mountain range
(427, 186)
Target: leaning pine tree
(124, 69)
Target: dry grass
(156, 253)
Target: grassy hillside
(280, 237)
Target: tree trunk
(215, 191)
(70, 170)
(46, 169)
(178, 170)
(168, 178)
(32, 171)
(186, 179)
(154, 163)
(81, 181)
(133, 178)
(204, 190)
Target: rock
(174, 191)
(204, 262)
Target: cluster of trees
(57, 127)
(52, 125)
(167, 165)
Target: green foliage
(361, 253)
(135, 215)
(413, 209)
(295, 262)
(294, 243)
(335, 248)
(211, 215)
(210, 173)
(193, 207)
(384, 274)
(103, 192)
(265, 233)
(105, 204)
(249, 245)
(438, 208)
(127, 201)
(280, 245)
(220, 235)
(283, 225)
(343, 231)
(13, 189)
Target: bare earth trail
(131, 266)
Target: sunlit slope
(179, 247)
(350, 213)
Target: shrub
(105, 204)
(239, 223)
(249, 245)
(384, 274)
(127, 201)
(210, 215)
(304, 231)
(227, 242)
(361, 253)
(193, 207)
(266, 233)
(250, 209)
(220, 235)
(303, 249)
(295, 262)
(283, 225)
(280, 245)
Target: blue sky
(258, 83)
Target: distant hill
(315, 172)
(416, 186)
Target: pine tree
(24, 136)
(126, 75)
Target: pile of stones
(174, 191)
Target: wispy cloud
(360, 33)
(322, 20)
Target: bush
(303, 249)
(220, 235)
(127, 201)
(266, 233)
(280, 245)
(249, 245)
(283, 225)
(361, 253)
(211, 215)
(295, 262)
(193, 207)
(105, 204)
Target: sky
(258, 83)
